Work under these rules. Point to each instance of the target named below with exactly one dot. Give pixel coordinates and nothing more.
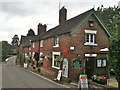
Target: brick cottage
(76, 46)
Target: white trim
(91, 31)
(54, 53)
(72, 48)
(40, 56)
(33, 44)
(90, 55)
(41, 43)
(56, 41)
(57, 45)
(104, 50)
(92, 44)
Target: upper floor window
(41, 43)
(33, 44)
(90, 37)
(56, 42)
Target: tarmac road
(16, 77)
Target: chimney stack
(62, 15)
(41, 28)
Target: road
(16, 77)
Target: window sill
(55, 67)
(56, 46)
(90, 44)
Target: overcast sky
(18, 16)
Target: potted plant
(58, 59)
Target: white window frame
(53, 59)
(90, 32)
(101, 63)
(33, 53)
(33, 44)
(56, 42)
(40, 56)
(41, 43)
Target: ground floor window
(41, 56)
(55, 62)
(101, 62)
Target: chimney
(62, 15)
(41, 28)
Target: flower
(100, 79)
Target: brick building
(75, 46)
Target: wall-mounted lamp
(91, 23)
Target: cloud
(18, 16)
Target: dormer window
(91, 23)
(56, 42)
(90, 36)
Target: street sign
(83, 82)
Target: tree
(15, 40)
(111, 17)
(115, 58)
(6, 50)
(31, 33)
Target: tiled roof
(26, 40)
(65, 27)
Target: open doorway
(89, 66)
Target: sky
(18, 16)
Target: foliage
(115, 58)
(15, 40)
(6, 50)
(110, 17)
(58, 59)
(48, 57)
(31, 33)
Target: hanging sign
(83, 82)
(65, 68)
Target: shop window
(56, 62)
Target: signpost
(83, 82)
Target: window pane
(104, 63)
(91, 38)
(87, 38)
(98, 63)
(56, 63)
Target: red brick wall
(77, 40)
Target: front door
(89, 66)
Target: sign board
(59, 75)
(83, 82)
(25, 65)
(65, 68)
